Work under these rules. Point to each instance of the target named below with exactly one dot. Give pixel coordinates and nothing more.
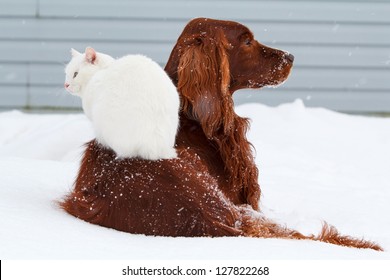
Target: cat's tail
(253, 224)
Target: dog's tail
(253, 224)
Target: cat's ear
(74, 52)
(90, 55)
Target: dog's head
(214, 58)
(242, 61)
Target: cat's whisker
(60, 99)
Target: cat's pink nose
(66, 85)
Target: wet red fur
(211, 189)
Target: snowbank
(315, 165)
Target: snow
(315, 165)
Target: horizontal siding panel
(18, 8)
(59, 52)
(167, 31)
(64, 29)
(352, 79)
(321, 34)
(47, 75)
(11, 74)
(250, 10)
(13, 96)
(366, 102)
(341, 56)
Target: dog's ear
(203, 80)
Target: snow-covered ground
(315, 165)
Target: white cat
(131, 101)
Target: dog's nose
(290, 57)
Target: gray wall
(342, 48)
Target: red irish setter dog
(211, 188)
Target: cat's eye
(75, 74)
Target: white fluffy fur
(131, 101)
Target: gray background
(342, 48)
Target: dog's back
(163, 197)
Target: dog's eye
(75, 74)
(248, 41)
